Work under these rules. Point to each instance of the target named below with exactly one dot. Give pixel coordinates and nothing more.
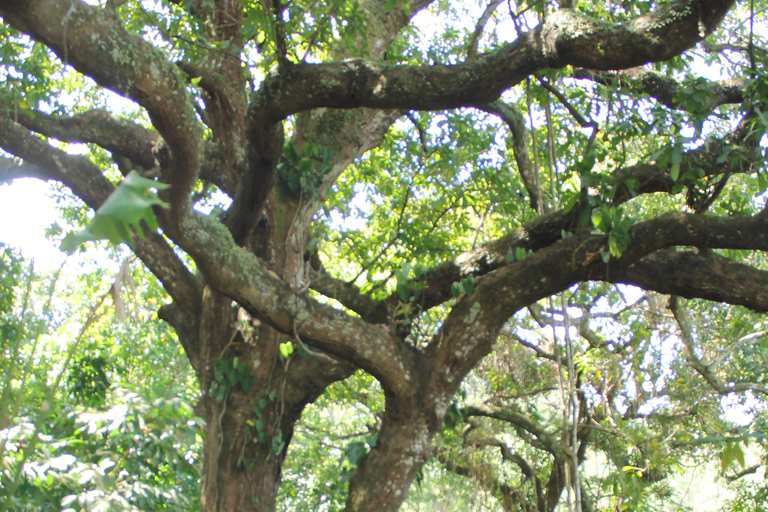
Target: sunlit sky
(26, 211)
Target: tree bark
(249, 427)
(382, 479)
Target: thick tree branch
(702, 275)
(223, 80)
(566, 38)
(347, 134)
(546, 229)
(124, 139)
(115, 134)
(97, 45)
(246, 279)
(469, 331)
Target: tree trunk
(382, 479)
(250, 407)
(240, 472)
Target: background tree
(88, 421)
(356, 186)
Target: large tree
(315, 117)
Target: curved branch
(520, 147)
(126, 139)
(703, 275)
(96, 43)
(548, 440)
(472, 326)
(115, 134)
(243, 277)
(566, 38)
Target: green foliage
(258, 429)
(286, 350)
(465, 286)
(95, 443)
(228, 374)
(123, 210)
(89, 379)
(611, 221)
(133, 455)
(439, 184)
(334, 432)
(732, 452)
(305, 172)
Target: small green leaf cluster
(330, 22)
(228, 374)
(731, 452)
(465, 286)
(257, 428)
(672, 157)
(304, 172)
(409, 290)
(518, 254)
(286, 350)
(394, 4)
(695, 96)
(352, 455)
(611, 221)
(89, 379)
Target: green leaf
(597, 217)
(290, 152)
(355, 451)
(726, 457)
(404, 291)
(125, 208)
(739, 453)
(677, 154)
(305, 166)
(286, 349)
(457, 289)
(468, 283)
(674, 171)
(277, 443)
